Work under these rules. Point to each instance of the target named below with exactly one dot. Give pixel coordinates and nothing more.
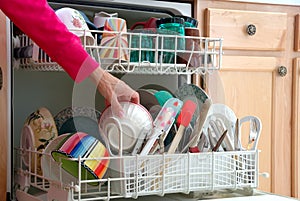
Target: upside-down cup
(114, 43)
(95, 156)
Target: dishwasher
(40, 85)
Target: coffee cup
(149, 24)
(114, 43)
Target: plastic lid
(167, 20)
(191, 22)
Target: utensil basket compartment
(163, 174)
(135, 176)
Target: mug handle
(137, 24)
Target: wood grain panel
(249, 86)
(297, 33)
(296, 130)
(271, 28)
(3, 108)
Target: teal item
(141, 44)
(172, 27)
(162, 96)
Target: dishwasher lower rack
(135, 176)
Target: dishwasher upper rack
(137, 176)
(208, 56)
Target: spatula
(184, 119)
(163, 122)
(199, 126)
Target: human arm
(38, 20)
(41, 24)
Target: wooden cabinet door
(252, 86)
(247, 30)
(296, 130)
(3, 106)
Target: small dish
(51, 168)
(78, 119)
(95, 154)
(124, 132)
(147, 99)
(39, 129)
(162, 96)
(155, 87)
(27, 143)
(194, 93)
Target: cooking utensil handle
(176, 140)
(216, 147)
(258, 127)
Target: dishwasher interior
(41, 88)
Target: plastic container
(142, 45)
(173, 28)
(189, 21)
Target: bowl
(94, 156)
(123, 133)
(51, 168)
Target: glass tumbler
(170, 27)
(141, 45)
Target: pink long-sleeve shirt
(39, 21)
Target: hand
(114, 90)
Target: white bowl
(136, 121)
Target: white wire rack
(135, 176)
(140, 53)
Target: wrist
(96, 75)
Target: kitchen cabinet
(257, 77)
(3, 106)
(248, 30)
(296, 126)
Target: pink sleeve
(38, 20)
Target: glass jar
(170, 29)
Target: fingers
(135, 98)
(116, 107)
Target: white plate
(40, 127)
(27, 143)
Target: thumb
(116, 107)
